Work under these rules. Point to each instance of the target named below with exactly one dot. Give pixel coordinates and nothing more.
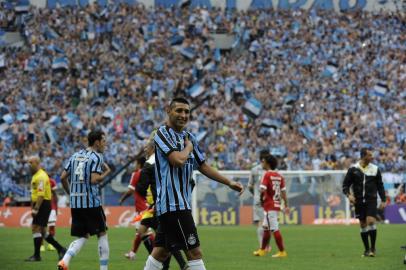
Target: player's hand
(34, 212)
(382, 205)
(188, 143)
(236, 186)
(286, 210)
(351, 198)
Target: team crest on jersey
(191, 240)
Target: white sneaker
(130, 255)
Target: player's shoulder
(162, 130)
(40, 175)
(274, 174)
(95, 156)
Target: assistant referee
(41, 208)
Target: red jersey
(271, 186)
(54, 200)
(140, 202)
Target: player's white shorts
(271, 220)
(52, 218)
(258, 213)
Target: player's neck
(363, 163)
(90, 148)
(178, 130)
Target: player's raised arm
(216, 176)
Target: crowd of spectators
(315, 73)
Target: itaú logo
(126, 218)
(26, 219)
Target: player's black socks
(147, 243)
(37, 246)
(179, 258)
(372, 235)
(53, 242)
(364, 237)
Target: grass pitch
(226, 248)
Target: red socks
(265, 239)
(136, 242)
(279, 240)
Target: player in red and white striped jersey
(272, 190)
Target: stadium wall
(338, 5)
(122, 216)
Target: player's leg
(258, 217)
(104, 250)
(274, 225)
(371, 222)
(266, 236)
(73, 250)
(148, 240)
(96, 225)
(179, 258)
(158, 256)
(360, 213)
(37, 238)
(78, 229)
(49, 238)
(136, 242)
(195, 259)
(51, 227)
(185, 237)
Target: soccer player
(272, 190)
(365, 180)
(41, 208)
(139, 201)
(82, 174)
(147, 187)
(176, 155)
(53, 215)
(253, 186)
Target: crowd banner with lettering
(338, 5)
(117, 216)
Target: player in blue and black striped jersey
(177, 154)
(80, 179)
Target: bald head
(35, 163)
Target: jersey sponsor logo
(191, 240)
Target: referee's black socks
(37, 237)
(364, 237)
(372, 235)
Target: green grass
(228, 248)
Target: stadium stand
(313, 86)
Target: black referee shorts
(88, 221)
(41, 219)
(366, 209)
(176, 231)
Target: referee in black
(361, 184)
